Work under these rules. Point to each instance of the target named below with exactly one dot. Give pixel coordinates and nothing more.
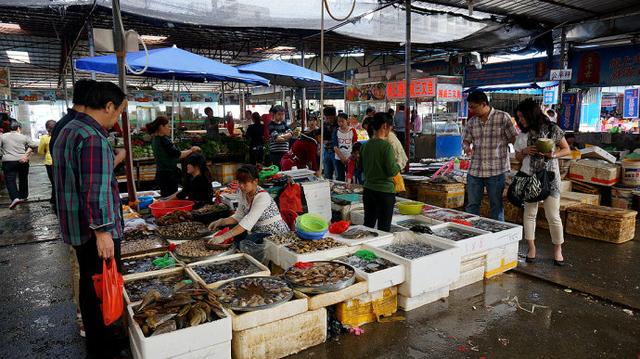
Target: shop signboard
(560, 75)
(512, 72)
(611, 66)
(366, 92)
(630, 103)
(36, 95)
(449, 92)
(419, 88)
(550, 95)
(568, 111)
(184, 97)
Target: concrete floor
(37, 316)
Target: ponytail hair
(152, 127)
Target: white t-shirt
(519, 145)
(344, 141)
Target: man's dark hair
(81, 90)
(208, 110)
(255, 117)
(14, 125)
(370, 110)
(277, 108)
(401, 107)
(379, 119)
(343, 115)
(104, 92)
(329, 111)
(478, 97)
(391, 111)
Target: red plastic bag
(223, 231)
(339, 227)
(291, 198)
(109, 286)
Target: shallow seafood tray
(156, 274)
(481, 240)
(208, 338)
(262, 270)
(246, 320)
(447, 215)
(150, 256)
(407, 221)
(286, 258)
(318, 301)
(355, 242)
(381, 279)
(512, 233)
(143, 246)
(426, 273)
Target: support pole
(92, 46)
(173, 105)
(563, 61)
(303, 107)
(224, 106)
(121, 52)
(322, 87)
(407, 80)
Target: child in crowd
(354, 174)
(343, 139)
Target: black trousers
(101, 340)
(276, 157)
(53, 189)
(256, 155)
(400, 136)
(14, 172)
(168, 182)
(378, 208)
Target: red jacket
(303, 154)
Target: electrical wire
(146, 52)
(326, 6)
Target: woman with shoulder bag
(535, 125)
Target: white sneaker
(14, 203)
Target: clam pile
(283, 238)
(164, 285)
(301, 246)
(196, 248)
(210, 209)
(215, 272)
(411, 250)
(253, 293)
(453, 234)
(135, 234)
(421, 228)
(173, 218)
(183, 308)
(358, 233)
(141, 245)
(489, 226)
(346, 189)
(366, 266)
(184, 230)
(319, 274)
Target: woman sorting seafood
(197, 185)
(167, 156)
(257, 213)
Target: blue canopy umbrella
(171, 63)
(287, 74)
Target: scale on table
(231, 200)
(301, 176)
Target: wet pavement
(37, 314)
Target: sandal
(530, 260)
(558, 263)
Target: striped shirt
(275, 130)
(86, 189)
(490, 144)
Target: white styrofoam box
(357, 216)
(218, 351)
(596, 152)
(513, 234)
(410, 303)
(263, 271)
(481, 241)
(357, 242)
(426, 273)
(468, 277)
(501, 259)
(179, 342)
(473, 261)
(447, 215)
(155, 254)
(160, 273)
(397, 219)
(286, 258)
(271, 251)
(381, 279)
(154, 194)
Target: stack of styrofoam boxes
(427, 279)
(381, 279)
(502, 255)
(473, 252)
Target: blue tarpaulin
(287, 74)
(171, 63)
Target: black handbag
(530, 188)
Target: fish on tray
(356, 233)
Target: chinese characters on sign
(550, 95)
(449, 92)
(560, 75)
(631, 103)
(568, 115)
(419, 88)
(613, 66)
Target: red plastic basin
(160, 208)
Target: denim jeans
(327, 161)
(475, 190)
(341, 170)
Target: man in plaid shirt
(88, 202)
(486, 140)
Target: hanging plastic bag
(109, 286)
(398, 183)
(291, 198)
